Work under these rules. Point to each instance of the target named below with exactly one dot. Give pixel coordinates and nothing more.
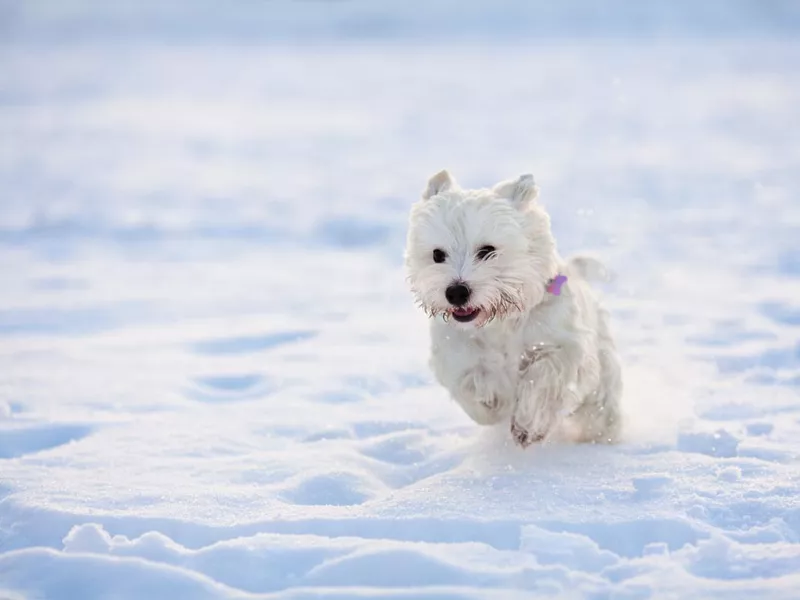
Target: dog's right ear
(521, 191)
(441, 182)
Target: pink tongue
(462, 312)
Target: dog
(517, 334)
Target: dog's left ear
(521, 191)
(441, 182)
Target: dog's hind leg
(599, 417)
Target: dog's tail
(590, 268)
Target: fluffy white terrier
(517, 333)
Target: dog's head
(476, 255)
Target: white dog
(516, 331)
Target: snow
(213, 380)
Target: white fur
(544, 362)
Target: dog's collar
(554, 285)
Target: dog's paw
(483, 413)
(478, 395)
(491, 402)
(523, 436)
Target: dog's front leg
(485, 398)
(480, 380)
(544, 394)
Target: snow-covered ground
(213, 380)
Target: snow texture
(213, 380)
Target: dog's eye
(439, 255)
(486, 252)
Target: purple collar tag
(554, 285)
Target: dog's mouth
(465, 314)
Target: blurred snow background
(213, 381)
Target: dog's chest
(518, 343)
(501, 339)
(491, 346)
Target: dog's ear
(521, 191)
(441, 182)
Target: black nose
(457, 294)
